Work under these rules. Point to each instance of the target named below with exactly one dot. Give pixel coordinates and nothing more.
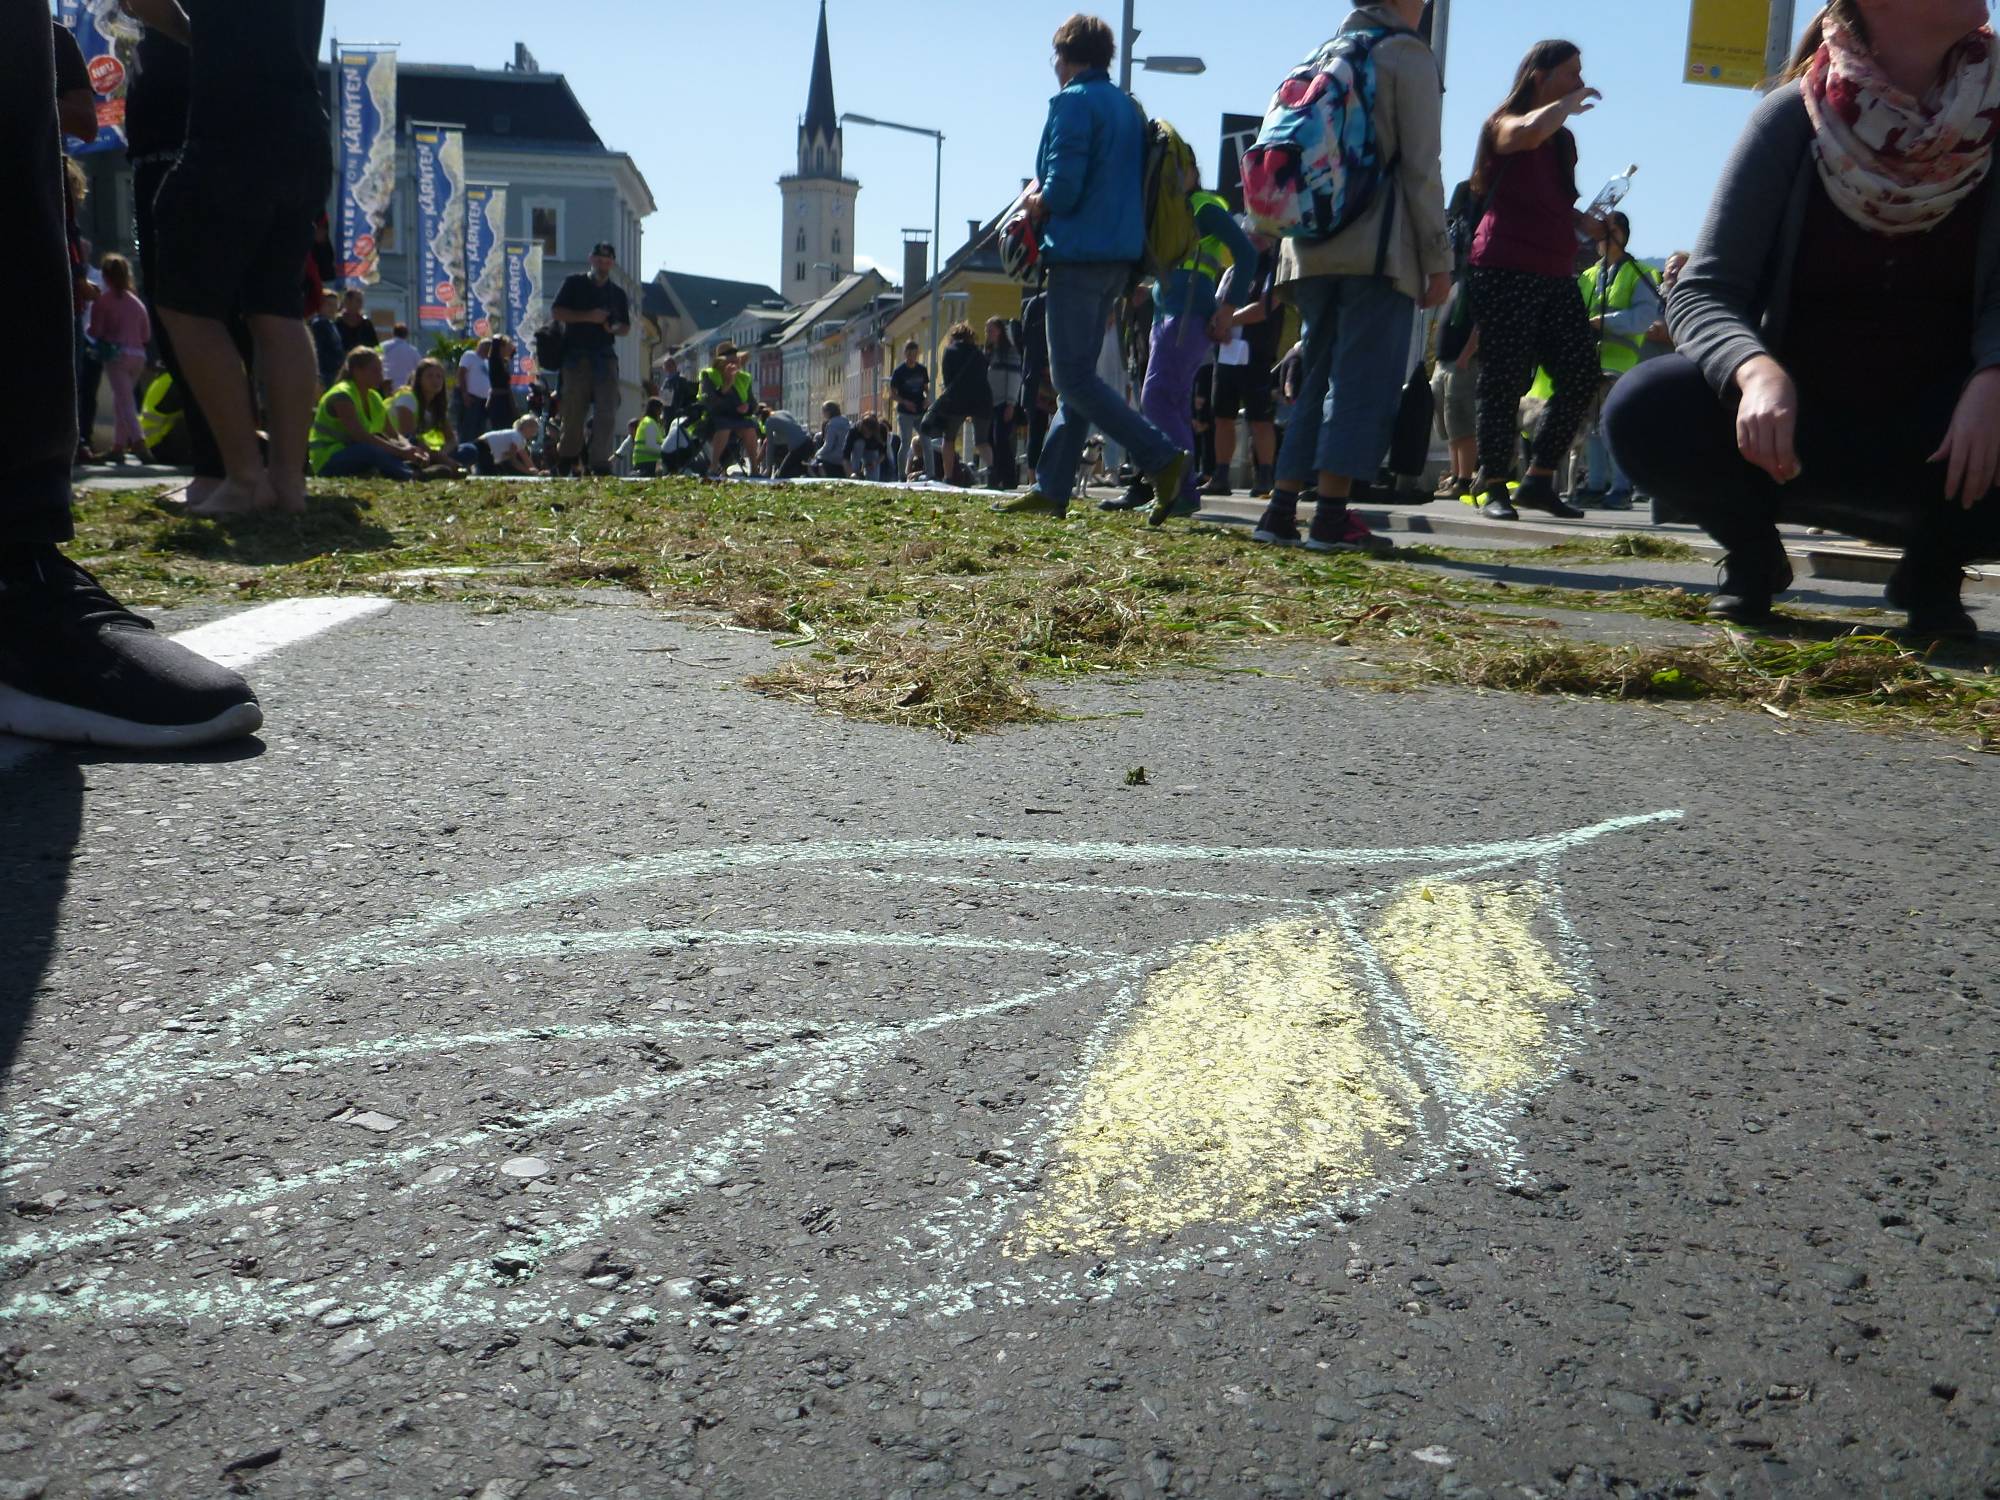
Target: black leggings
(40, 381)
(1864, 471)
(1527, 320)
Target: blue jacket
(1090, 164)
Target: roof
(495, 107)
(806, 318)
(708, 301)
(821, 117)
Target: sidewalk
(1839, 559)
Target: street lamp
(937, 207)
(1129, 37)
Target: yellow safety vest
(1211, 257)
(329, 436)
(155, 421)
(1617, 352)
(648, 441)
(432, 438)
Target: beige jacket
(1409, 125)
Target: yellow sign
(1726, 42)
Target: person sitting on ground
(354, 325)
(505, 450)
(788, 446)
(726, 401)
(351, 433)
(1522, 278)
(1089, 209)
(967, 396)
(649, 440)
(1839, 322)
(421, 411)
(832, 456)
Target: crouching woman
(1839, 324)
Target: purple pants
(1180, 348)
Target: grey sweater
(1734, 296)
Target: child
(118, 322)
(833, 442)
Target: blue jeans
(1606, 474)
(360, 460)
(1081, 299)
(1355, 361)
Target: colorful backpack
(1171, 236)
(1317, 165)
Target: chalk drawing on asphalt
(1291, 1062)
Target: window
(800, 274)
(801, 245)
(836, 244)
(545, 227)
(819, 158)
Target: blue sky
(706, 97)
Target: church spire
(822, 120)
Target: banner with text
(524, 306)
(366, 126)
(110, 41)
(441, 227)
(485, 258)
(1727, 42)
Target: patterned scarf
(1893, 163)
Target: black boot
(1538, 492)
(1493, 502)
(1928, 591)
(1751, 578)
(1138, 495)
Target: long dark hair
(1541, 58)
(1844, 11)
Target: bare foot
(228, 498)
(286, 496)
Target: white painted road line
(236, 641)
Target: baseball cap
(726, 350)
(603, 248)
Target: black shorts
(234, 232)
(1245, 391)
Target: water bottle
(1613, 192)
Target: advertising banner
(1727, 42)
(365, 124)
(1239, 133)
(485, 258)
(525, 312)
(109, 39)
(439, 152)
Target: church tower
(818, 198)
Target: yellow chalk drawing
(1252, 1082)
(1478, 979)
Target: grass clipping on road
(924, 609)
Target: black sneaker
(1279, 525)
(77, 666)
(1538, 492)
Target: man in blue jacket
(1090, 205)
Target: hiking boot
(1279, 525)
(1138, 495)
(78, 667)
(1929, 594)
(1033, 503)
(1538, 492)
(1748, 583)
(1345, 532)
(1493, 502)
(1167, 484)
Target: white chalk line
(848, 1047)
(238, 640)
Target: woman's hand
(1580, 101)
(1767, 418)
(1971, 447)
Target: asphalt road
(543, 1067)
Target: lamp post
(937, 207)
(1128, 37)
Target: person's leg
(1367, 369)
(1224, 407)
(364, 461)
(124, 372)
(1319, 314)
(605, 396)
(1081, 301)
(1180, 349)
(1565, 345)
(89, 375)
(577, 391)
(1677, 438)
(1503, 303)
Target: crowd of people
(1857, 214)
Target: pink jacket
(120, 318)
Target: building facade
(819, 198)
